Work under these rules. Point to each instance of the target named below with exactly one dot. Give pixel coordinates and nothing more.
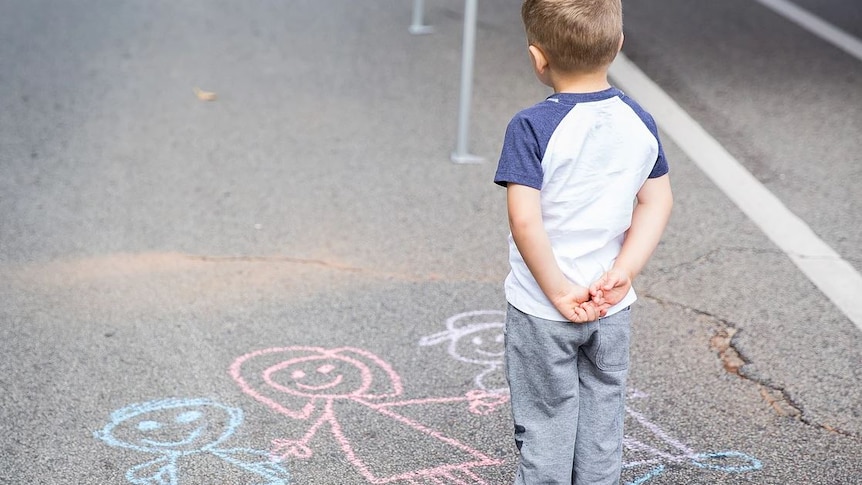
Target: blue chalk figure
(181, 429)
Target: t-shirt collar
(575, 98)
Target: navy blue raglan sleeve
(660, 168)
(521, 158)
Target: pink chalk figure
(353, 394)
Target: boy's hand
(577, 306)
(611, 288)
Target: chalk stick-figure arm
(479, 401)
(161, 471)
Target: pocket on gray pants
(614, 336)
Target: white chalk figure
(180, 432)
(658, 449)
(352, 395)
(476, 338)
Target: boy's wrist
(625, 270)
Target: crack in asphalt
(711, 253)
(276, 259)
(401, 275)
(733, 361)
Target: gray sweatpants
(568, 386)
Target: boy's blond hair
(574, 35)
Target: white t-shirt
(588, 154)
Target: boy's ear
(622, 39)
(540, 61)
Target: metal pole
(461, 154)
(418, 26)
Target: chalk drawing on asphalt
(476, 338)
(351, 395)
(181, 432)
(658, 449)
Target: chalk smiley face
(299, 377)
(329, 375)
(186, 428)
(484, 342)
(171, 425)
(476, 337)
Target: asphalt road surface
(292, 284)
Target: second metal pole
(461, 153)
(418, 26)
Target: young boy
(573, 167)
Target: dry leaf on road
(204, 95)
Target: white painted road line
(816, 26)
(834, 276)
